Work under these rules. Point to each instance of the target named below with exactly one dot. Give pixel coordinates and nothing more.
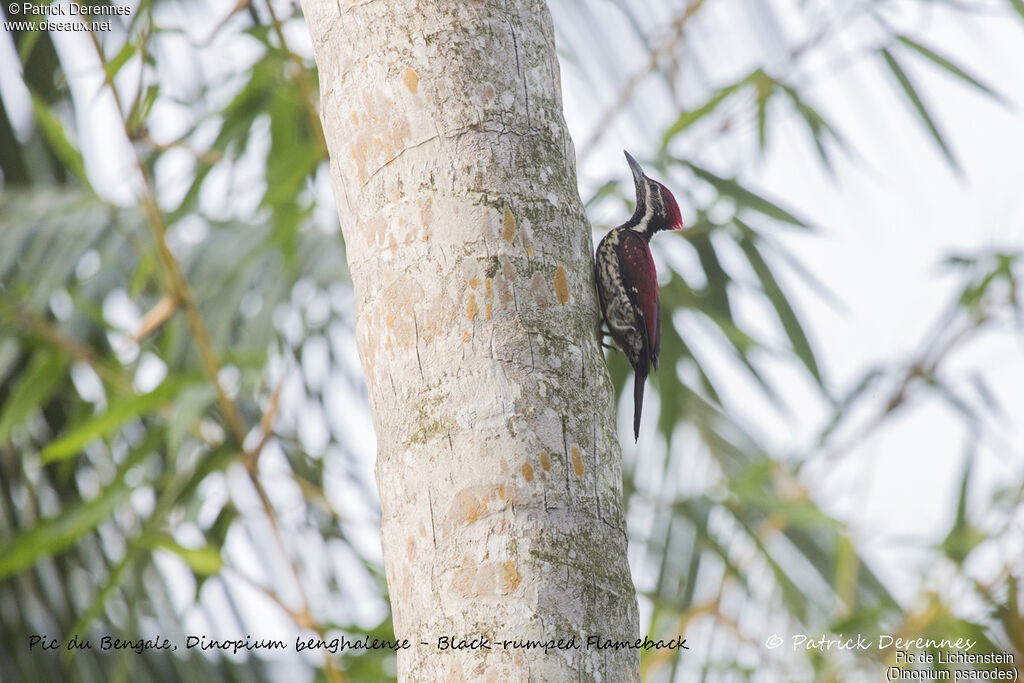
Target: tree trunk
(498, 463)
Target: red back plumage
(640, 267)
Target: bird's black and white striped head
(656, 208)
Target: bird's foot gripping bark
(602, 333)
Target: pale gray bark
(498, 463)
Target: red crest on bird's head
(675, 216)
(656, 208)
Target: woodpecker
(627, 284)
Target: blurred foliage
(728, 538)
(175, 369)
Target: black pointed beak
(638, 173)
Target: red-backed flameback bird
(627, 284)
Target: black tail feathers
(638, 403)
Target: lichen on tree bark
(498, 463)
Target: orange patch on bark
(474, 283)
(380, 138)
(511, 575)
(501, 492)
(470, 507)
(412, 80)
(471, 308)
(489, 293)
(508, 225)
(561, 285)
(577, 460)
(426, 214)
(394, 320)
(527, 472)
(545, 461)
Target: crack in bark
(565, 464)
(433, 530)
(519, 70)
(352, 5)
(397, 156)
(416, 331)
(583, 366)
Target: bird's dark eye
(656, 194)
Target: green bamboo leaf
(949, 66)
(1018, 5)
(765, 90)
(236, 127)
(742, 344)
(817, 126)
(53, 130)
(803, 272)
(56, 534)
(204, 561)
(915, 99)
(975, 291)
(963, 537)
(112, 67)
(716, 292)
(116, 414)
(787, 316)
(10, 353)
(698, 510)
(142, 106)
(756, 488)
(792, 595)
(42, 377)
(959, 261)
(182, 485)
(762, 122)
(610, 188)
(714, 304)
(677, 295)
(28, 43)
(189, 406)
(847, 564)
(688, 118)
(744, 197)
